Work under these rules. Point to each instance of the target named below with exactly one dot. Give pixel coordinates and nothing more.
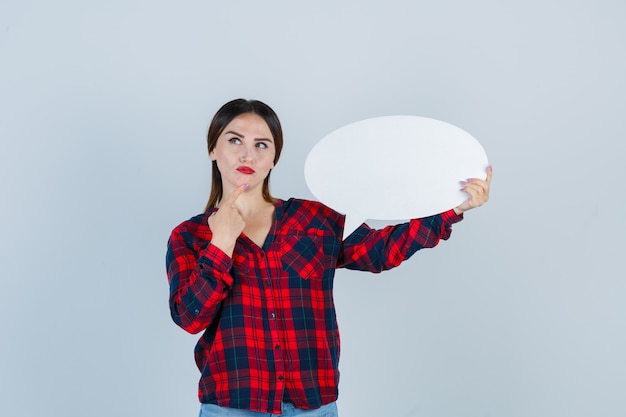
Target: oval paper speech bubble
(393, 168)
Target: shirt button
(280, 377)
(268, 283)
(273, 315)
(277, 347)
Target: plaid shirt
(268, 316)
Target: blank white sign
(393, 168)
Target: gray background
(104, 107)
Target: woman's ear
(212, 155)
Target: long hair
(221, 119)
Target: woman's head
(224, 116)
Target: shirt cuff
(450, 217)
(215, 263)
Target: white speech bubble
(393, 168)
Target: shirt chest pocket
(306, 253)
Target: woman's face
(244, 152)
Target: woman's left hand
(478, 190)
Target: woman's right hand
(227, 223)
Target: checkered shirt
(267, 314)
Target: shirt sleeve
(374, 250)
(199, 282)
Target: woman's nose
(246, 156)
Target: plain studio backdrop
(104, 108)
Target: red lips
(246, 170)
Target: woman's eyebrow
(243, 137)
(234, 133)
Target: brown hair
(221, 119)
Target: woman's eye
(235, 141)
(261, 145)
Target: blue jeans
(288, 410)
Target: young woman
(255, 275)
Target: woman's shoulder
(196, 226)
(311, 214)
(299, 204)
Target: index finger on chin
(232, 197)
